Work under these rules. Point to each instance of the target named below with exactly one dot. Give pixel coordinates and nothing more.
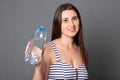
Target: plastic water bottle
(34, 55)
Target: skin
(69, 51)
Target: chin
(72, 35)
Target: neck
(66, 42)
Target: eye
(75, 18)
(65, 20)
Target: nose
(71, 23)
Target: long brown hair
(56, 30)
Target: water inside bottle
(34, 56)
(39, 43)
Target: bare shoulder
(47, 47)
(47, 50)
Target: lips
(72, 30)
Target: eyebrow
(75, 16)
(72, 17)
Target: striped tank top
(61, 70)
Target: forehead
(68, 13)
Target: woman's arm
(37, 72)
(42, 69)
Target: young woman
(65, 57)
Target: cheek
(77, 25)
(63, 25)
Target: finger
(27, 47)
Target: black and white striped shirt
(63, 71)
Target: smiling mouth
(72, 30)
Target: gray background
(101, 23)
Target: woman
(65, 56)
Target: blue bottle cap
(42, 29)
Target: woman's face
(70, 23)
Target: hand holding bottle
(34, 47)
